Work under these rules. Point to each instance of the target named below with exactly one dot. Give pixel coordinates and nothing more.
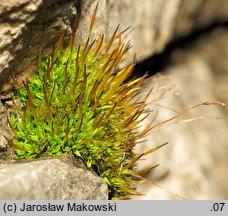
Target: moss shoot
(78, 103)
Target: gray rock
(57, 178)
(22, 24)
(5, 131)
(155, 23)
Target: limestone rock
(56, 178)
(23, 24)
(5, 131)
(155, 23)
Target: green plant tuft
(78, 103)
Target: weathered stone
(194, 163)
(22, 24)
(56, 178)
(155, 23)
(5, 131)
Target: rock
(155, 23)
(57, 178)
(22, 24)
(5, 131)
(194, 163)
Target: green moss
(77, 103)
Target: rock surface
(5, 131)
(155, 23)
(22, 24)
(57, 178)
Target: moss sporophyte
(78, 103)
